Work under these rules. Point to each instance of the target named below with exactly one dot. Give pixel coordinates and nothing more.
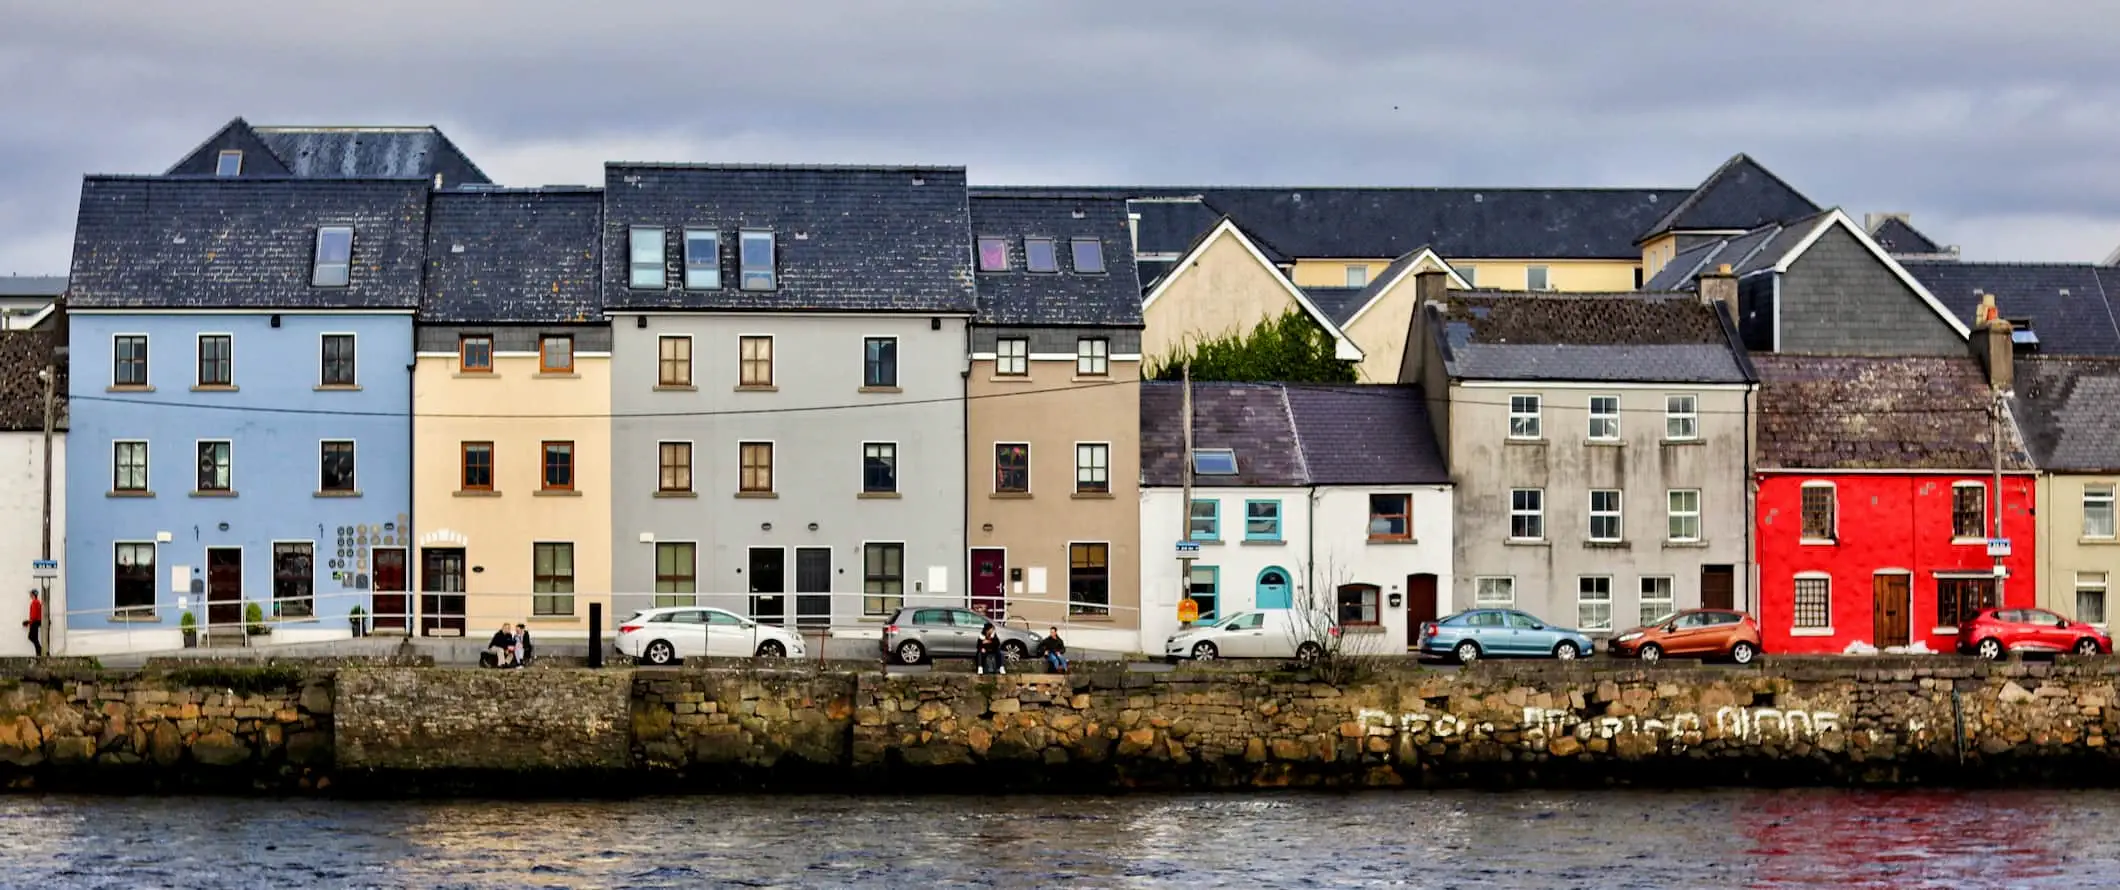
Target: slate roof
(2068, 410)
(1339, 303)
(1291, 435)
(1020, 297)
(514, 256)
(22, 355)
(1169, 225)
(32, 285)
(1741, 195)
(1619, 338)
(1897, 237)
(244, 243)
(1741, 253)
(848, 239)
(1872, 413)
(336, 152)
(2070, 304)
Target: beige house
(1224, 284)
(2065, 409)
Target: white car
(1265, 633)
(667, 636)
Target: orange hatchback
(1694, 633)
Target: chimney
(1993, 345)
(1719, 288)
(1431, 286)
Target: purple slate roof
(1355, 435)
(1290, 435)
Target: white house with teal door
(1303, 497)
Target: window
(993, 254)
(702, 259)
(474, 355)
(555, 354)
(129, 356)
(1012, 468)
(1093, 357)
(1536, 278)
(647, 257)
(882, 578)
(1818, 511)
(214, 471)
(758, 268)
(1358, 604)
(1215, 462)
(230, 163)
(2090, 597)
(294, 579)
(128, 470)
(1604, 418)
(334, 258)
(1205, 589)
(879, 467)
(1262, 520)
(477, 466)
(1593, 602)
(2098, 511)
(754, 361)
(1089, 255)
(676, 582)
(1604, 514)
(1958, 599)
(1206, 523)
(558, 464)
(338, 360)
(133, 579)
(1357, 275)
(1469, 273)
(757, 467)
(1494, 593)
(1039, 255)
(1681, 418)
(1685, 514)
(217, 360)
(673, 363)
(1656, 601)
(1527, 514)
(673, 462)
(1524, 420)
(1093, 468)
(1089, 579)
(552, 579)
(1390, 517)
(879, 362)
(337, 467)
(1969, 510)
(1012, 357)
(1814, 603)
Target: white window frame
(220, 162)
(324, 338)
(1797, 630)
(353, 482)
(888, 450)
(637, 267)
(1533, 419)
(147, 479)
(1674, 514)
(1012, 362)
(1681, 425)
(228, 489)
(1538, 278)
(1584, 601)
(146, 365)
(1469, 273)
(317, 266)
(1536, 514)
(744, 271)
(1665, 604)
(1617, 515)
(2095, 496)
(713, 265)
(1357, 275)
(1093, 357)
(1486, 587)
(198, 356)
(1985, 516)
(2100, 583)
(1100, 465)
(1604, 425)
(1833, 524)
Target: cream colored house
(2065, 410)
(1225, 284)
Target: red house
(1875, 500)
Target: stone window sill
(338, 494)
(1819, 542)
(1263, 542)
(217, 387)
(880, 389)
(1968, 542)
(551, 619)
(1010, 495)
(1092, 378)
(675, 387)
(1685, 545)
(1811, 632)
(128, 494)
(128, 388)
(475, 493)
(1207, 542)
(555, 493)
(1605, 443)
(879, 495)
(2098, 542)
(557, 375)
(755, 388)
(757, 495)
(336, 387)
(1393, 541)
(677, 494)
(1092, 495)
(1677, 443)
(1087, 618)
(1944, 631)
(1608, 545)
(1362, 629)
(223, 493)
(1009, 378)
(1527, 542)
(135, 616)
(1541, 442)
(476, 375)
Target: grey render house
(788, 364)
(1599, 447)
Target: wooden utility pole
(1995, 441)
(1185, 560)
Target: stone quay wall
(388, 730)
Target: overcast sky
(1996, 124)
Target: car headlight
(1629, 638)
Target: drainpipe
(1751, 509)
(1310, 540)
(964, 527)
(412, 391)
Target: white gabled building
(24, 354)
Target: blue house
(241, 366)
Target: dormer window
(2022, 339)
(646, 249)
(230, 163)
(758, 270)
(1215, 462)
(334, 260)
(702, 259)
(993, 254)
(1039, 255)
(1089, 256)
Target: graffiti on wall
(1541, 725)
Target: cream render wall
(2065, 554)
(22, 515)
(1226, 290)
(1584, 276)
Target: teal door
(1273, 589)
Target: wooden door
(442, 591)
(990, 582)
(224, 589)
(1890, 610)
(392, 603)
(1718, 587)
(1420, 607)
(769, 579)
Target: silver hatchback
(919, 633)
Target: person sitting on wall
(990, 651)
(522, 645)
(500, 651)
(1054, 651)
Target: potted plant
(189, 624)
(359, 619)
(253, 619)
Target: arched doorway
(1274, 592)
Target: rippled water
(1512, 840)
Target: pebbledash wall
(387, 730)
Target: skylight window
(1039, 255)
(334, 259)
(1089, 255)
(645, 245)
(702, 259)
(758, 270)
(1215, 462)
(993, 254)
(230, 163)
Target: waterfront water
(1796, 839)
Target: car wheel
(1467, 652)
(772, 649)
(1205, 652)
(1566, 651)
(2087, 646)
(911, 652)
(1013, 652)
(1309, 652)
(1652, 653)
(1743, 652)
(660, 652)
(1989, 649)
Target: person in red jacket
(36, 623)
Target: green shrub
(253, 618)
(1292, 349)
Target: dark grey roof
(32, 285)
(1739, 196)
(22, 355)
(2068, 410)
(514, 256)
(1170, 225)
(336, 152)
(848, 239)
(1897, 237)
(2068, 304)
(1742, 253)
(1376, 285)
(1151, 271)
(1338, 303)
(1288, 435)
(1066, 297)
(248, 243)
(1629, 337)
(1819, 412)
(1775, 242)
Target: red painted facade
(1886, 523)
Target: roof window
(1215, 462)
(993, 254)
(334, 258)
(1039, 255)
(1089, 255)
(230, 163)
(702, 259)
(645, 266)
(758, 265)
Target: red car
(1994, 632)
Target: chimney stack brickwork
(1993, 344)
(1720, 288)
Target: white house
(1317, 497)
(23, 356)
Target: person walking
(990, 650)
(1054, 651)
(36, 623)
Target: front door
(1718, 587)
(813, 585)
(769, 576)
(1420, 607)
(391, 600)
(442, 592)
(990, 582)
(224, 589)
(1273, 590)
(1891, 610)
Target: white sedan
(666, 636)
(1267, 633)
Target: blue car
(1501, 633)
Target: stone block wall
(400, 720)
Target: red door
(224, 589)
(990, 582)
(1420, 607)
(392, 603)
